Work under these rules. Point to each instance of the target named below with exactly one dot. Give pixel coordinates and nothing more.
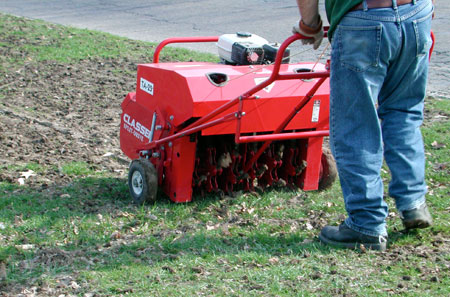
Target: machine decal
(134, 127)
(259, 80)
(316, 111)
(146, 86)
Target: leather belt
(379, 4)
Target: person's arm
(309, 12)
(310, 24)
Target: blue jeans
(379, 66)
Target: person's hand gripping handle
(314, 34)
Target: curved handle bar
(181, 40)
(432, 45)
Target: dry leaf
(169, 269)
(124, 214)
(198, 270)
(212, 227)
(115, 235)
(307, 241)
(274, 260)
(18, 220)
(25, 247)
(74, 285)
(151, 217)
(226, 231)
(2, 271)
(362, 248)
(178, 237)
(27, 174)
(437, 145)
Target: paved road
(155, 20)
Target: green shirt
(336, 9)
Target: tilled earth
(54, 114)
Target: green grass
(85, 237)
(40, 41)
(77, 169)
(24, 167)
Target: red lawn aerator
(251, 121)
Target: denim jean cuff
(413, 205)
(365, 231)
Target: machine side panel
(135, 126)
(186, 91)
(165, 89)
(178, 173)
(265, 115)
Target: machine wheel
(142, 181)
(328, 170)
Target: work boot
(343, 236)
(416, 218)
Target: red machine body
(215, 126)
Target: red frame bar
(181, 40)
(432, 45)
(284, 136)
(187, 132)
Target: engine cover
(241, 48)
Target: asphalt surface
(155, 20)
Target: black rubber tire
(329, 170)
(142, 181)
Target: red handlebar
(181, 40)
(432, 45)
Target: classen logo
(135, 128)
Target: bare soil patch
(54, 114)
